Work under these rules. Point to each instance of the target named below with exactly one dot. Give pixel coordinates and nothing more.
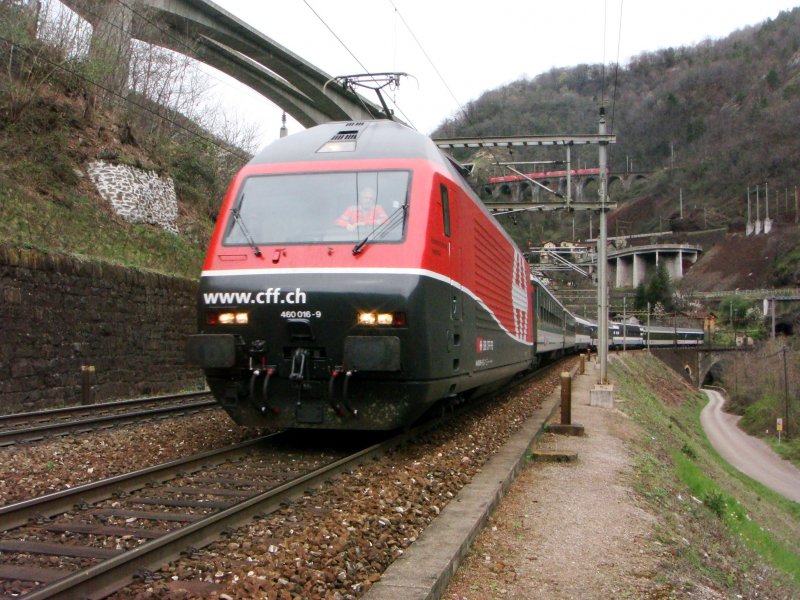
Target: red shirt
(356, 216)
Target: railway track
(94, 539)
(34, 426)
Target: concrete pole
(569, 183)
(785, 395)
(758, 206)
(624, 323)
(772, 311)
(648, 326)
(749, 218)
(602, 261)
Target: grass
(50, 204)
(723, 529)
(73, 223)
(736, 518)
(788, 449)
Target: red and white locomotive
(319, 308)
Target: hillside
(707, 121)
(745, 262)
(53, 124)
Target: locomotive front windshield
(308, 208)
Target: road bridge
(693, 363)
(629, 265)
(208, 33)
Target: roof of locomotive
(361, 140)
(379, 139)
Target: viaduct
(208, 33)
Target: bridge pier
(110, 47)
(630, 264)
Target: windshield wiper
(382, 229)
(238, 220)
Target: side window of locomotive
(309, 208)
(445, 209)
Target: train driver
(365, 213)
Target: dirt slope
(741, 262)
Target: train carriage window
(445, 209)
(308, 208)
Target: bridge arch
(695, 363)
(589, 189)
(615, 184)
(212, 35)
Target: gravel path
(540, 543)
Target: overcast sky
(474, 46)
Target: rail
(36, 426)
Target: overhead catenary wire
(350, 52)
(441, 77)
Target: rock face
(137, 196)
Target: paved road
(750, 455)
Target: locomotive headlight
(228, 318)
(367, 318)
(382, 319)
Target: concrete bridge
(208, 33)
(628, 266)
(513, 189)
(780, 305)
(694, 363)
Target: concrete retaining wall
(58, 313)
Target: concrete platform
(427, 566)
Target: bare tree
(40, 40)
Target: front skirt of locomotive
(303, 359)
(348, 400)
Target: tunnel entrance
(784, 328)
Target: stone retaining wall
(58, 313)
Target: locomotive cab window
(309, 208)
(445, 209)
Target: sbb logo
(482, 345)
